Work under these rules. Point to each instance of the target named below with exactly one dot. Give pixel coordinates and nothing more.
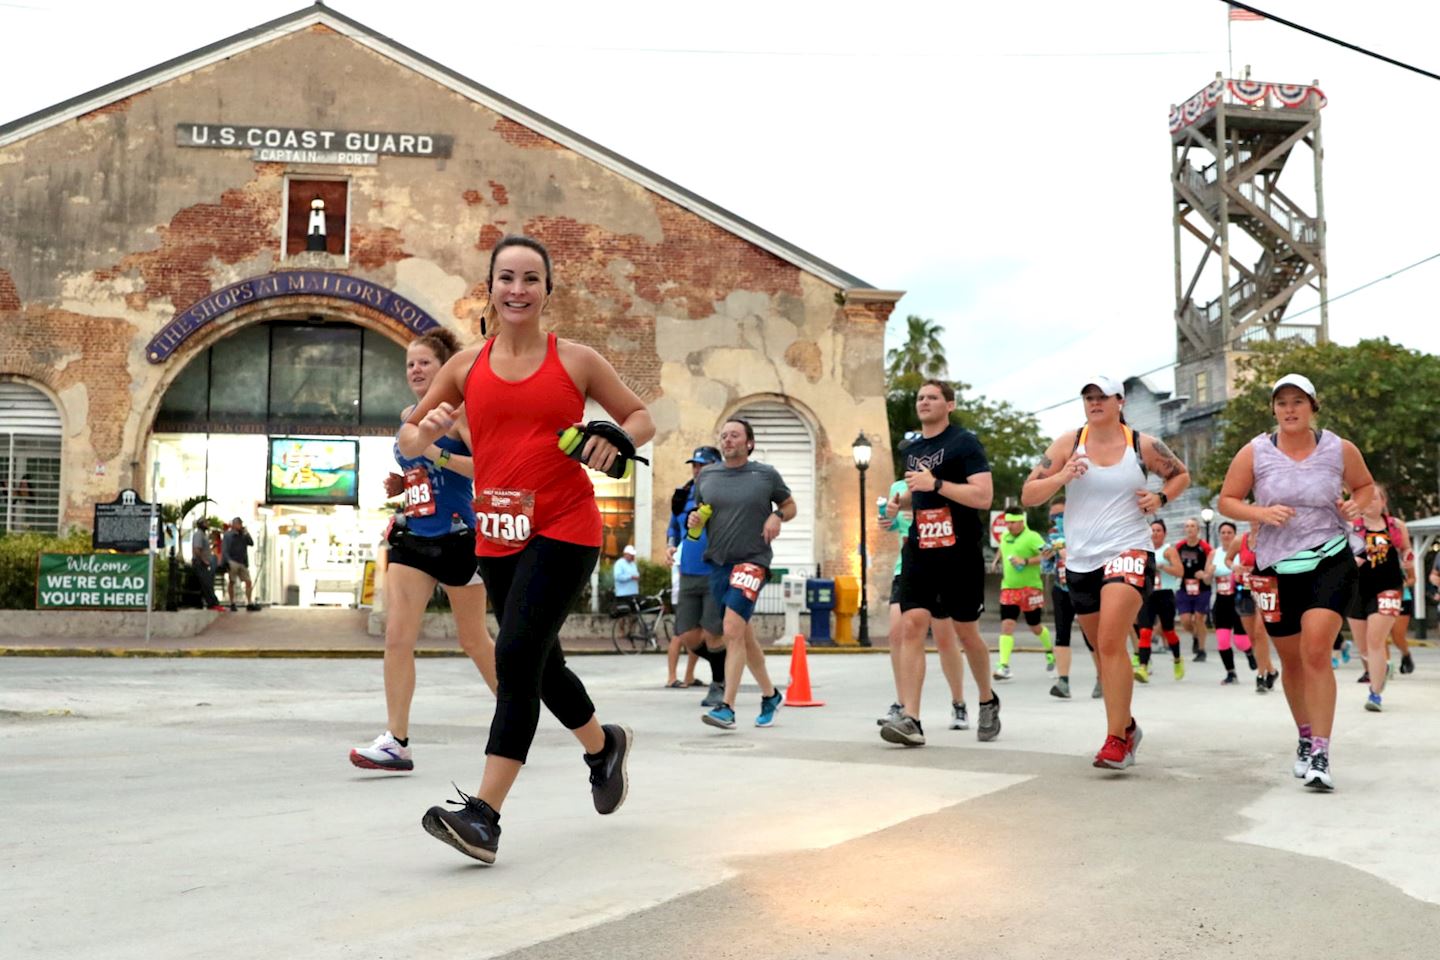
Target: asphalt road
(183, 808)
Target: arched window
(29, 460)
(783, 440)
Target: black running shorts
(948, 581)
(449, 559)
(1330, 586)
(1085, 587)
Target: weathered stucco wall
(107, 229)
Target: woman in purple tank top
(1304, 565)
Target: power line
(1299, 313)
(1335, 40)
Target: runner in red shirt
(538, 528)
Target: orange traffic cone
(798, 693)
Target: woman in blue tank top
(432, 541)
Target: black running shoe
(1250, 658)
(1270, 679)
(1407, 664)
(1364, 677)
(609, 781)
(1199, 657)
(474, 829)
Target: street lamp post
(1207, 515)
(860, 450)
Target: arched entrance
(306, 373)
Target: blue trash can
(820, 601)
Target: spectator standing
(235, 551)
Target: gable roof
(319, 14)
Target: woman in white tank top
(1102, 468)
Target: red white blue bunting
(1248, 92)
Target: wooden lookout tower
(1244, 248)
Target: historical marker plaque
(123, 524)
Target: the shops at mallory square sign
(312, 145)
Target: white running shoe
(1002, 672)
(1318, 776)
(959, 720)
(385, 753)
(1302, 757)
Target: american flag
(1237, 14)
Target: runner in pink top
(1305, 569)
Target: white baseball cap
(1110, 385)
(630, 549)
(1294, 380)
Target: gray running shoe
(906, 731)
(989, 727)
(958, 718)
(715, 696)
(895, 712)
(1097, 693)
(1061, 689)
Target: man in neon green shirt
(1021, 589)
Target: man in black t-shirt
(943, 574)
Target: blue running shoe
(769, 706)
(1345, 651)
(1373, 703)
(722, 717)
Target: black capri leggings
(532, 592)
(1064, 615)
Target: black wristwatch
(1163, 499)
(777, 512)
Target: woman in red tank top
(539, 532)
(1241, 557)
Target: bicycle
(642, 624)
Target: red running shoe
(1114, 755)
(1133, 736)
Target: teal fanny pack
(1307, 560)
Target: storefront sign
(123, 524)
(97, 581)
(301, 140)
(290, 283)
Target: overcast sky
(1005, 164)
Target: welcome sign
(91, 581)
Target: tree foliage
(1011, 438)
(921, 357)
(1381, 396)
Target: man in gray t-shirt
(742, 505)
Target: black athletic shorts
(948, 581)
(895, 589)
(449, 559)
(1330, 586)
(1244, 603)
(1010, 611)
(1159, 605)
(1365, 601)
(1223, 612)
(1085, 587)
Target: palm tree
(921, 357)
